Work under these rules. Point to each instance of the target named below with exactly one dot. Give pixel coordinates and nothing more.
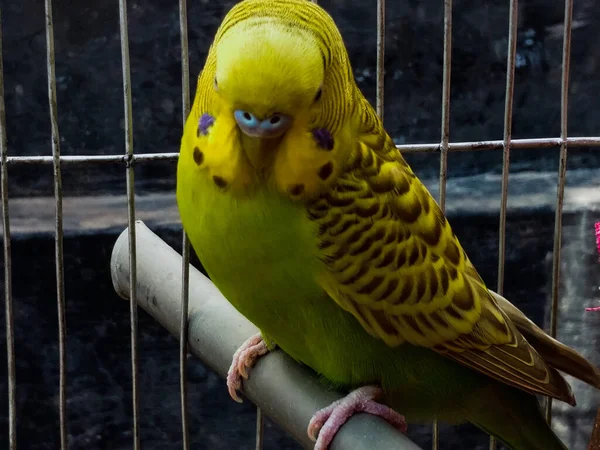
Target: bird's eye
(318, 96)
(216, 84)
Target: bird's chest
(262, 254)
(260, 250)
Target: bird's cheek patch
(204, 124)
(306, 163)
(323, 138)
(217, 149)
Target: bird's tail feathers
(555, 353)
(514, 417)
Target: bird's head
(269, 75)
(276, 98)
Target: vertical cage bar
(183, 340)
(508, 112)
(562, 174)
(58, 229)
(435, 437)
(185, 60)
(506, 143)
(445, 137)
(123, 27)
(446, 101)
(260, 426)
(380, 57)
(185, 268)
(8, 301)
(260, 422)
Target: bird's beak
(271, 127)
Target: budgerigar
(310, 222)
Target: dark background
(90, 105)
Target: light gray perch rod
(287, 392)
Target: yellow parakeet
(310, 222)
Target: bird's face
(269, 77)
(277, 101)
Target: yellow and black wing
(395, 264)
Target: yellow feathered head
(280, 61)
(278, 85)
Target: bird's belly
(262, 254)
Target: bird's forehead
(265, 46)
(270, 66)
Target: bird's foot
(244, 358)
(327, 421)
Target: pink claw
(245, 357)
(327, 421)
(597, 227)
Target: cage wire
(129, 159)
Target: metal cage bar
(8, 300)
(562, 174)
(380, 87)
(58, 229)
(185, 262)
(444, 140)
(515, 144)
(508, 114)
(129, 161)
(260, 429)
(446, 84)
(506, 143)
(185, 253)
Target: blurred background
(91, 122)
